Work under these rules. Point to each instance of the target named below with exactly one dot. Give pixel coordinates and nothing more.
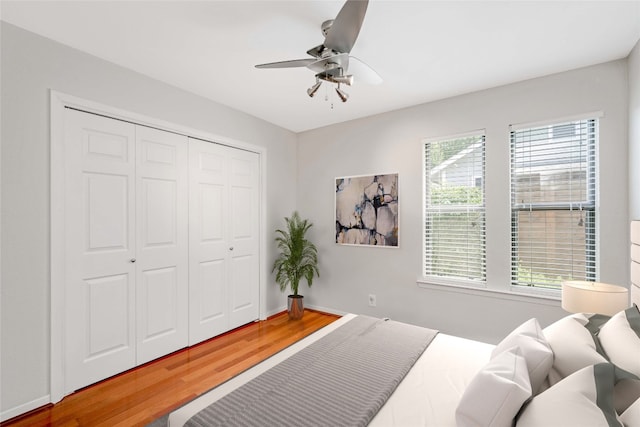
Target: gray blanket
(342, 379)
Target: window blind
(553, 203)
(454, 245)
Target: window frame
(588, 207)
(473, 180)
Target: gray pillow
(574, 346)
(584, 398)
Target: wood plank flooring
(139, 396)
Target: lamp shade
(593, 297)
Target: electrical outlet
(372, 300)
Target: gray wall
(634, 132)
(31, 65)
(391, 142)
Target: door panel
(241, 208)
(162, 239)
(107, 211)
(106, 299)
(212, 202)
(104, 146)
(159, 213)
(208, 245)
(99, 222)
(212, 296)
(160, 294)
(245, 217)
(242, 283)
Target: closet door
(208, 247)
(223, 239)
(100, 245)
(244, 219)
(162, 274)
(126, 232)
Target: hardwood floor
(139, 396)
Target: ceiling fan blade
(288, 64)
(362, 72)
(345, 28)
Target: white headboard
(635, 262)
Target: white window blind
(553, 206)
(454, 245)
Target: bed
(582, 370)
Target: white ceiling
(424, 50)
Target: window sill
(544, 297)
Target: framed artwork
(367, 210)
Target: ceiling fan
(330, 60)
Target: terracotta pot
(295, 306)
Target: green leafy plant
(528, 277)
(456, 195)
(298, 257)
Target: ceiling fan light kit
(330, 60)
(343, 96)
(313, 89)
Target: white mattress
(428, 395)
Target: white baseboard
(276, 311)
(24, 408)
(310, 307)
(326, 310)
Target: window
(553, 206)
(454, 246)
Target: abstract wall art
(367, 210)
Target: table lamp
(592, 297)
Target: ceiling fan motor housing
(326, 25)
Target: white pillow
(625, 393)
(620, 338)
(496, 393)
(584, 398)
(631, 417)
(574, 347)
(534, 348)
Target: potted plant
(298, 259)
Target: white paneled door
(161, 243)
(126, 251)
(223, 239)
(162, 248)
(100, 239)
(244, 245)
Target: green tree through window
(454, 209)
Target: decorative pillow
(574, 346)
(620, 338)
(584, 398)
(496, 394)
(534, 348)
(631, 417)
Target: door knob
(132, 260)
